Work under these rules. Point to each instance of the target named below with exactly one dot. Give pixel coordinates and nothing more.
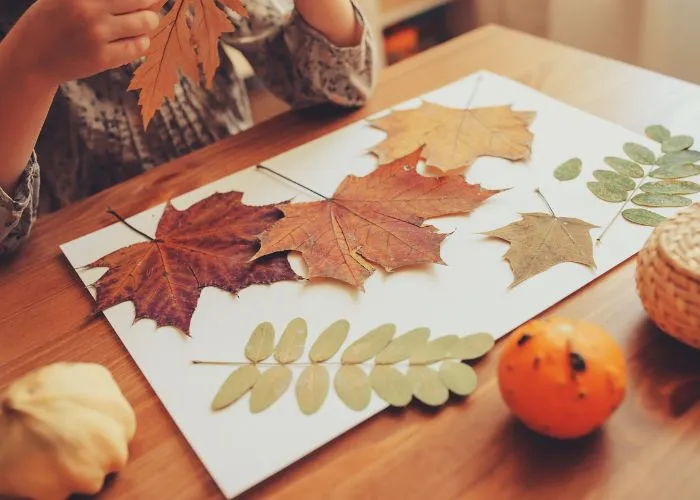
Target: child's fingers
(132, 25)
(125, 51)
(127, 6)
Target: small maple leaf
(187, 36)
(209, 244)
(373, 219)
(540, 241)
(455, 138)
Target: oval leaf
(312, 388)
(607, 192)
(671, 187)
(625, 167)
(271, 385)
(638, 153)
(661, 200)
(657, 133)
(677, 143)
(329, 342)
(643, 217)
(236, 386)
(369, 345)
(391, 385)
(401, 348)
(614, 179)
(458, 377)
(568, 170)
(261, 343)
(291, 344)
(433, 351)
(472, 346)
(679, 158)
(353, 387)
(675, 171)
(427, 386)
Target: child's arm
(322, 52)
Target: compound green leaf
(271, 385)
(261, 343)
(369, 345)
(643, 217)
(671, 187)
(329, 342)
(625, 167)
(607, 192)
(312, 388)
(427, 386)
(614, 179)
(675, 171)
(353, 387)
(657, 133)
(638, 153)
(434, 351)
(291, 344)
(391, 385)
(402, 347)
(472, 346)
(458, 377)
(661, 200)
(236, 386)
(677, 143)
(679, 158)
(568, 170)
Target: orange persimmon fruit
(562, 378)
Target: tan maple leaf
(540, 241)
(373, 219)
(455, 138)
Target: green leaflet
(403, 347)
(677, 143)
(458, 377)
(329, 342)
(607, 192)
(643, 217)
(391, 385)
(671, 187)
(568, 170)
(679, 158)
(472, 346)
(661, 200)
(261, 343)
(614, 179)
(657, 133)
(353, 387)
(625, 167)
(675, 171)
(271, 385)
(369, 345)
(638, 153)
(291, 345)
(427, 386)
(434, 351)
(312, 388)
(236, 386)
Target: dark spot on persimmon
(578, 364)
(524, 339)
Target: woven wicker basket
(668, 276)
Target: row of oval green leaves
(628, 174)
(351, 383)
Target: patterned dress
(93, 136)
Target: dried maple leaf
(455, 138)
(188, 36)
(209, 244)
(540, 241)
(373, 219)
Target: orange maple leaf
(373, 219)
(209, 244)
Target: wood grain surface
(469, 450)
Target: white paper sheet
(470, 294)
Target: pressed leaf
(625, 167)
(353, 387)
(434, 351)
(401, 348)
(607, 192)
(614, 179)
(312, 388)
(271, 385)
(373, 220)
(677, 143)
(671, 187)
(236, 386)
(427, 386)
(458, 377)
(291, 344)
(472, 346)
(329, 342)
(261, 343)
(455, 138)
(568, 170)
(657, 133)
(540, 241)
(391, 385)
(675, 171)
(638, 153)
(679, 158)
(661, 200)
(369, 345)
(643, 217)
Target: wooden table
(650, 448)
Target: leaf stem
(123, 221)
(263, 167)
(624, 205)
(549, 207)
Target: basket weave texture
(668, 276)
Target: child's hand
(63, 40)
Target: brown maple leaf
(455, 138)
(188, 36)
(540, 241)
(373, 219)
(209, 244)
